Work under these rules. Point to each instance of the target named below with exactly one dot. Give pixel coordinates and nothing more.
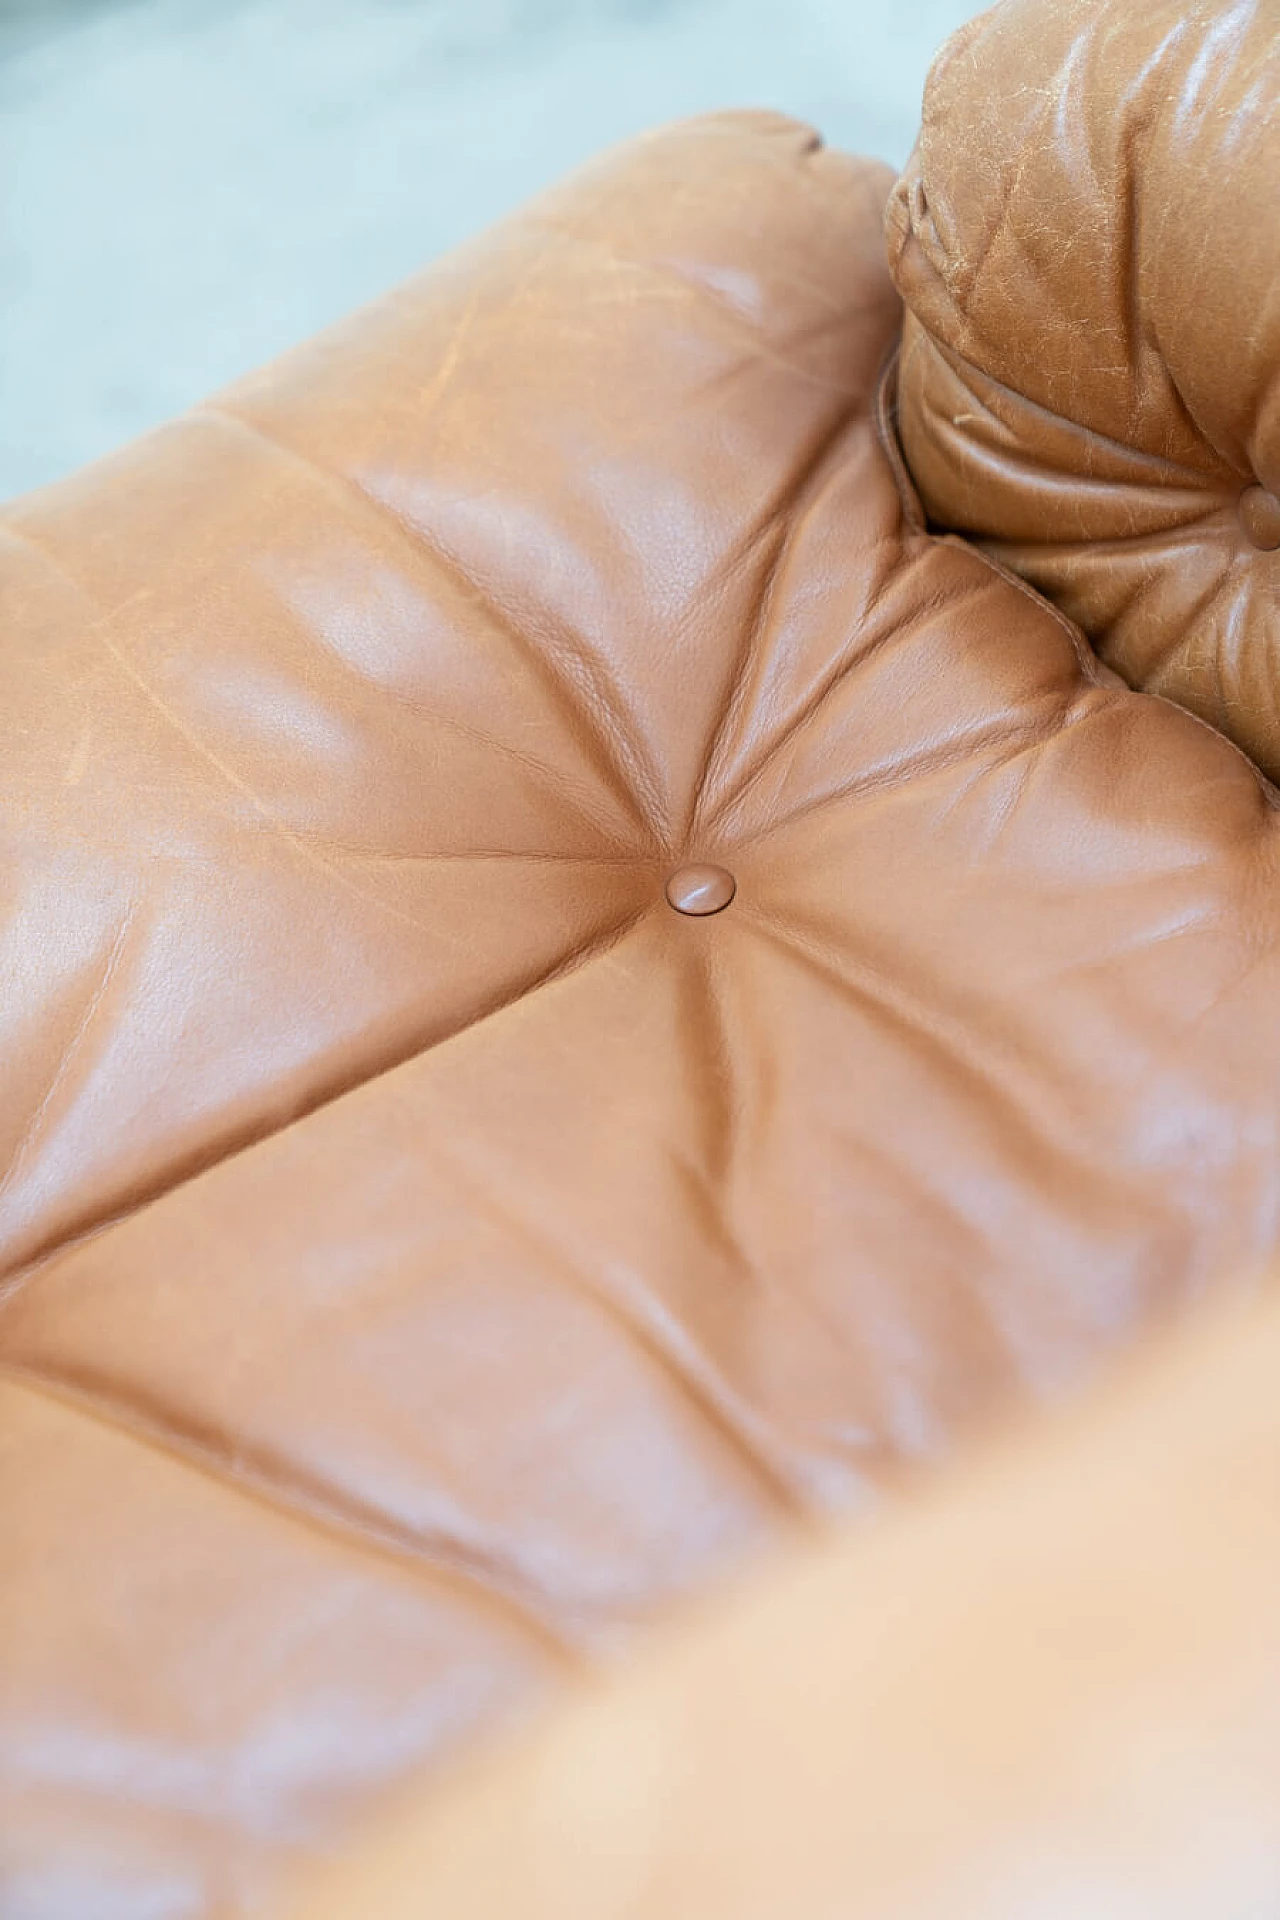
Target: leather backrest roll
(1087, 242)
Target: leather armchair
(592, 977)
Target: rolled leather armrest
(1086, 242)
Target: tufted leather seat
(579, 988)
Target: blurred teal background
(188, 186)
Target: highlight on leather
(1087, 243)
(1047, 1685)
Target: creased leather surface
(1049, 1689)
(427, 1250)
(350, 706)
(1087, 243)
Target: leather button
(1260, 518)
(701, 890)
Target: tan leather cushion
(1049, 1690)
(1086, 238)
(428, 1250)
(350, 706)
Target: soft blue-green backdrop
(187, 186)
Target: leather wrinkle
(660, 271)
(780, 540)
(709, 1208)
(707, 1045)
(1161, 544)
(706, 1184)
(306, 848)
(595, 728)
(906, 775)
(871, 991)
(1267, 788)
(1089, 663)
(1091, 668)
(885, 408)
(1183, 476)
(340, 1518)
(1072, 709)
(601, 944)
(439, 383)
(641, 1317)
(782, 513)
(1222, 634)
(886, 783)
(1138, 140)
(774, 530)
(789, 516)
(75, 1040)
(925, 1033)
(844, 667)
(412, 856)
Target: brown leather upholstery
(1047, 1689)
(1087, 243)
(429, 1245)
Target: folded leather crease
(313, 1507)
(1072, 454)
(1003, 559)
(568, 668)
(21, 1277)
